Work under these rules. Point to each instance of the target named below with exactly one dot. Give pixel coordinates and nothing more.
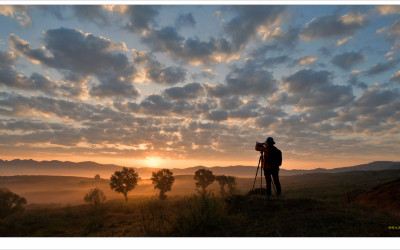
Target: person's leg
(267, 174)
(275, 175)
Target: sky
(185, 85)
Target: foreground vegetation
(199, 215)
(314, 205)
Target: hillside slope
(385, 197)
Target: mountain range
(89, 169)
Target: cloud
(12, 79)
(189, 91)
(78, 55)
(375, 98)
(191, 50)
(97, 14)
(388, 9)
(21, 106)
(348, 60)
(156, 72)
(396, 77)
(343, 41)
(392, 33)
(305, 60)
(185, 20)
(252, 20)
(274, 61)
(250, 80)
(311, 89)
(205, 73)
(354, 81)
(19, 12)
(137, 18)
(155, 105)
(379, 68)
(218, 115)
(334, 26)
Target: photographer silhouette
(270, 164)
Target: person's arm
(264, 149)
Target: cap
(270, 140)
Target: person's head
(270, 141)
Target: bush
(202, 215)
(95, 197)
(10, 202)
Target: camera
(260, 144)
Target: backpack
(274, 157)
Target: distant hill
(384, 197)
(89, 169)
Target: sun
(152, 161)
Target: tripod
(260, 163)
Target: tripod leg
(261, 182)
(255, 178)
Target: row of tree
(126, 180)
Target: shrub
(202, 215)
(95, 197)
(10, 202)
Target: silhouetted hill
(384, 197)
(89, 169)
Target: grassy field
(313, 205)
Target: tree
(124, 181)
(97, 178)
(226, 180)
(203, 178)
(163, 180)
(95, 197)
(231, 185)
(10, 202)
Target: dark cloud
(382, 67)
(334, 26)
(392, 34)
(348, 60)
(79, 55)
(288, 39)
(191, 90)
(264, 121)
(250, 19)
(304, 81)
(20, 106)
(314, 90)
(376, 98)
(274, 61)
(218, 115)
(185, 20)
(12, 79)
(155, 105)
(157, 72)
(139, 18)
(92, 13)
(24, 125)
(251, 79)
(395, 77)
(354, 81)
(191, 50)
